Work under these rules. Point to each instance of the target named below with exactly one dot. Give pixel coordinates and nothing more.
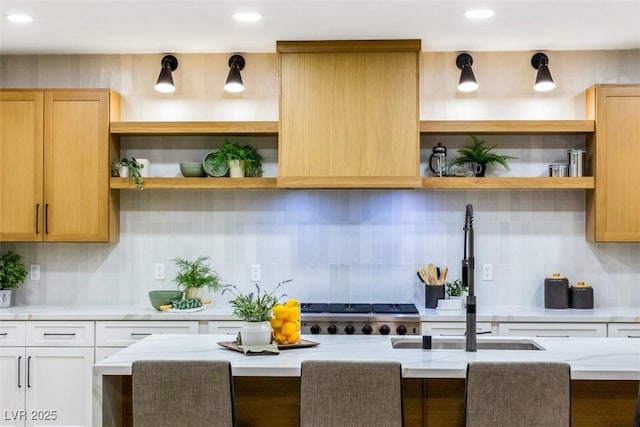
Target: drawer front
(104, 352)
(553, 329)
(624, 330)
(231, 327)
(453, 329)
(123, 334)
(12, 333)
(60, 334)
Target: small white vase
(193, 293)
(236, 168)
(5, 298)
(256, 333)
(123, 172)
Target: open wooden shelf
(194, 128)
(506, 126)
(506, 183)
(179, 183)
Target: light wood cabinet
(613, 208)
(349, 114)
(54, 166)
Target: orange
(293, 337)
(288, 328)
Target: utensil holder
(432, 293)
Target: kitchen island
(604, 371)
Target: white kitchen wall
(338, 245)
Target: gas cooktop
(348, 308)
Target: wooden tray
(232, 345)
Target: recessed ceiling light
(479, 13)
(19, 17)
(247, 16)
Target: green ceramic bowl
(159, 298)
(191, 169)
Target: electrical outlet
(487, 271)
(256, 272)
(158, 271)
(34, 271)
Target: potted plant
(255, 308)
(12, 274)
(195, 275)
(240, 159)
(478, 153)
(457, 290)
(128, 168)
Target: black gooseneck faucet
(468, 266)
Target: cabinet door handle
(19, 360)
(134, 334)
(29, 372)
(52, 334)
(46, 218)
(37, 218)
(628, 336)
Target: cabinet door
(226, 327)
(349, 114)
(21, 136)
(12, 386)
(613, 208)
(60, 380)
(76, 159)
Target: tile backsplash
(338, 245)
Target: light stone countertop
(590, 358)
(485, 314)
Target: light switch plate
(256, 272)
(34, 271)
(158, 271)
(487, 271)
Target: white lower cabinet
(44, 385)
(227, 327)
(624, 330)
(454, 329)
(553, 329)
(112, 336)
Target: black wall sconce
(468, 82)
(234, 79)
(165, 80)
(544, 81)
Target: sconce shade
(468, 82)
(544, 81)
(234, 79)
(165, 79)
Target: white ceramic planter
(193, 293)
(6, 298)
(123, 172)
(236, 168)
(256, 333)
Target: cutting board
(232, 345)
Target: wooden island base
(269, 401)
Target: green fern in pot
(479, 153)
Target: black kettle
(438, 160)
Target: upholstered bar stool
(176, 393)
(518, 394)
(350, 394)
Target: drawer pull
(19, 360)
(52, 334)
(29, 372)
(552, 336)
(140, 334)
(452, 335)
(633, 336)
(4, 334)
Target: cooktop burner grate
(349, 308)
(394, 308)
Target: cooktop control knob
(332, 329)
(367, 329)
(401, 330)
(385, 330)
(315, 329)
(349, 329)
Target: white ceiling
(205, 26)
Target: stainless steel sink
(459, 344)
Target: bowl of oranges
(285, 322)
